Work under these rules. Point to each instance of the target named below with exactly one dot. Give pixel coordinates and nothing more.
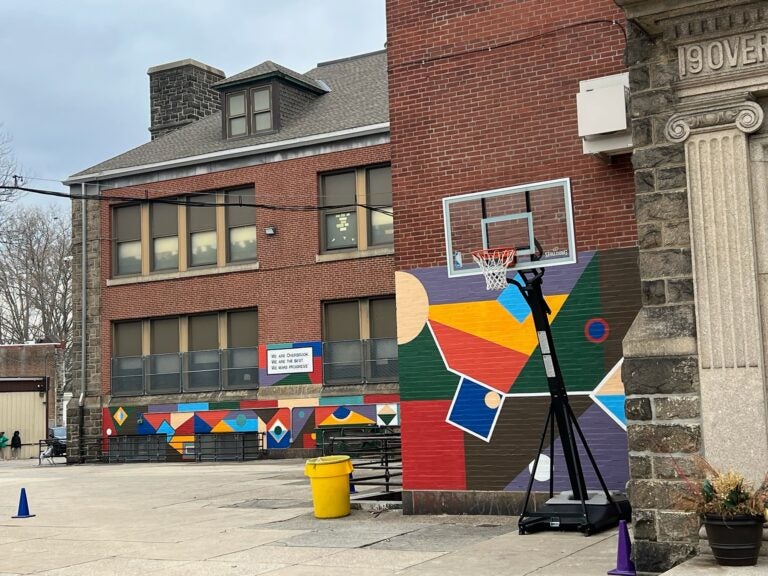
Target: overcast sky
(74, 89)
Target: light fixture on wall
(270, 230)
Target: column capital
(742, 114)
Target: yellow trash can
(329, 477)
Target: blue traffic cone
(352, 489)
(23, 506)
(624, 564)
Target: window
(127, 234)
(237, 121)
(357, 209)
(164, 370)
(165, 236)
(360, 341)
(241, 225)
(249, 112)
(204, 352)
(202, 231)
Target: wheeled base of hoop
(562, 512)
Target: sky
(74, 89)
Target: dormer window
(254, 105)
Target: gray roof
(269, 68)
(357, 98)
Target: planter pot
(735, 540)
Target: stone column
(724, 251)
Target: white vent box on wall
(601, 106)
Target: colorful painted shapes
(347, 416)
(475, 408)
(479, 359)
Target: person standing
(15, 445)
(3, 442)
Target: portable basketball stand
(578, 509)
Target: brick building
(483, 97)
(239, 267)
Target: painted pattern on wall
(286, 424)
(474, 394)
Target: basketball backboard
(533, 218)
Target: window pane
(340, 230)
(129, 257)
(127, 223)
(241, 215)
(342, 321)
(164, 219)
(164, 335)
(262, 121)
(202, 248)
(236, 104)
(242, 243)
(165, 254)
(237, 126)
(127, 339)
(261, 100)
(383, 318)
(242, 329)
(338, 189)
(380, 186)
(202, 217)
(204, 332)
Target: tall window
(127, 233)
(202, 366)
(261, 109)
(127, 363)
(164, 361)
(165, 236)
(242, 356)
(241, 225)
(201, 221)
(237, 120)
(357, 209)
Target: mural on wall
(291, 363)
(287, 423)
(472, 377)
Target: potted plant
(733, 513)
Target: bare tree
(35, 276)
(8, 167)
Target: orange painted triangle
(483, 361)
(156, 419)
(212, 417)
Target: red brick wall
(465, 118)
(289, 287)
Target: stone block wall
(660, 370)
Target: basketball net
(494, 263)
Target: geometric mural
(479, 350)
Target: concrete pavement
(252, 518)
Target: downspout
(83, 325)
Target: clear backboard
(535, 219)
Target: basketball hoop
(494, 263)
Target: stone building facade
(695, 356)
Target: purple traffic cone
(624, 564)
(23, 506)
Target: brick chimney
(180, 93)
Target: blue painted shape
(341, 412)
(166, 429)
(615, 404)
(201, 426)
(239, 422)
(193, 407)
(335, 400)
(470, 411)
(283, 442)
(278, 432)
(144, 427)
(514, 303)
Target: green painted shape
(279, 346)
(581, 361)
(386, 418)
(340, 400)
(224, 406)
(301, 378)
(423, 375)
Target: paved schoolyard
(252, 518)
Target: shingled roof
(357, 98)
(267, 69)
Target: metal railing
(376, 453)
(360, 361)
(195, 371)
